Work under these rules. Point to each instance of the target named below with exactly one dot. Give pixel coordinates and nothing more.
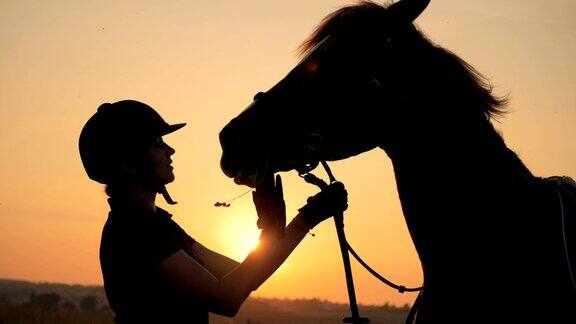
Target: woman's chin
(168, 178)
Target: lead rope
(345, 248)
(339, 222)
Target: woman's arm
(261, 263)
(216, 263)
(203, 276)
(225, 295)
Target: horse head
(355, 61)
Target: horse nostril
(225, 135)
(228, 166)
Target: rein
(568, 186)
(346, 248)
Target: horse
(488, 232)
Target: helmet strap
(166, 195)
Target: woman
(153, 271)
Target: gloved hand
(331, 200)
(270, 207)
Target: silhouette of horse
(489, 234)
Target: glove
(270, 207)
(331, 200)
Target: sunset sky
(201, 62)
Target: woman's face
(159, 153)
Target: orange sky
(201, 62)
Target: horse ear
(406, 11)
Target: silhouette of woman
(154, 272)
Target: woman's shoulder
(143, 239)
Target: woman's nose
(170, 150)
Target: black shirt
(133, 240)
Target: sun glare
(239, 237)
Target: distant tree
(44, 301)
(89, 303)
(4, 300)
(68, 305)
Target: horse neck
(454, 187)
(447, 160)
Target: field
(26, 302)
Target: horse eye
(311, 67)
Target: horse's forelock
(349, 18)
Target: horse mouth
(250, 175)
(247, 178)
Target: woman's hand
(331, 200)
(269, 201)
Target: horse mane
(465, 82)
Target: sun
(239, 237)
